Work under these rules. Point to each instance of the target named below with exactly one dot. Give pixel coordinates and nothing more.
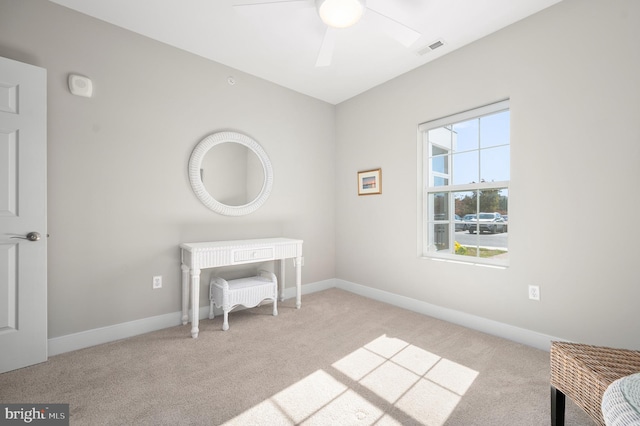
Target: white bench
(248, 292)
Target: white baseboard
(97, 336)
(85, 339)
(510, 332)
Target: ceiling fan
(339, 14)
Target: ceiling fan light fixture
(340, 13)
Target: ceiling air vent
(432, 46)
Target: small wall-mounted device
(80, 85)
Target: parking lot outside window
(465, 185)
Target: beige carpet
(342, 359)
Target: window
(465, 185)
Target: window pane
(440, 205)
(495, 164)
(460, 249)
(504, 211)
(494, 129)
(436, 150)
(440, 181)
(465, 209)
(503, 204)
(440, 164)
(489, 200)
(466, 135)
(465, 203)
(465, 168)
(441, 235)
(441, 137)
(439, 229)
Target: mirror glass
(230, 173)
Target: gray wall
(119, 197)
(571, 73)
(120, 202)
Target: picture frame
(370, 182)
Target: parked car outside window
(488, 222)
(468, 221)
(459, 223)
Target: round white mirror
(230, 173)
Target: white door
(23, 212)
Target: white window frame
(426, 186)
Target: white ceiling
(280, 42)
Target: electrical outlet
(157, 282)
(534, 292)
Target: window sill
(472, 261)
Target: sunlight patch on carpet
(349, 408)
(453, 376)
(429, 403)
(390, 381)
(304, 398)
(359, 363)
(423, 385)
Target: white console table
(197, 256)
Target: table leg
(282, 265)
(195, 302)
(557, 407)
(185, 294)
(298, 282)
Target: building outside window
(465, 185)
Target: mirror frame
(195, 164)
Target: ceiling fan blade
(326, 48)
(296, 4)
(396, 30)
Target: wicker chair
(583, 373)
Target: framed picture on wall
(370, 182)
